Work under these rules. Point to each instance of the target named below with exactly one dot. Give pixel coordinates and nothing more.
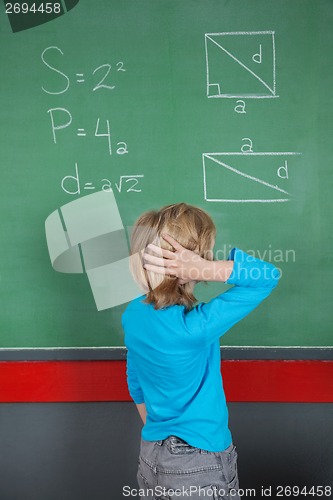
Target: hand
(182, 263)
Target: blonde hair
(192, 227)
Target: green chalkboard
(224, 105)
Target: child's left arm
(133, 383)
(142, 411)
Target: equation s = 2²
(104, 80)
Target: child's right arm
(253, 281)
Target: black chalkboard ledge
(118, 353)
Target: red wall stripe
(278, 381)
(248, 381)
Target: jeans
(171, 469)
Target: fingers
(172, 242)
(158, 261)
(158, 269)
(160, 251)
(166, 259)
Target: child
(173, 360)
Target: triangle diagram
(234, 75)
(224, 182)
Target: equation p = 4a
(72, 184)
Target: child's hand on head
(181, 263)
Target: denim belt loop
(160, 442)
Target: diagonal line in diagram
(221, 182)
(246, 175)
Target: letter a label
(240, 108)
(247, 147)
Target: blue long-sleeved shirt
(173, 359)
